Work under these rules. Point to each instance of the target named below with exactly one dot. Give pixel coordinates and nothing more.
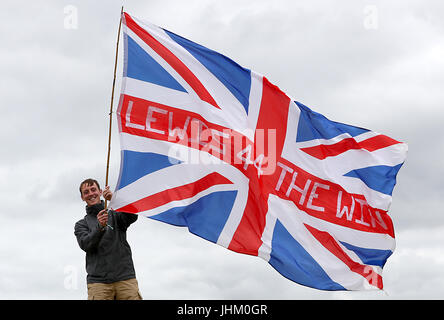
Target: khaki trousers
(121, 290)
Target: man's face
(91, 194)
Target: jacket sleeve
(88, 239)
(125, 219)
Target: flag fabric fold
(215, 147)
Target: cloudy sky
(374, 64)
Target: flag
(215, 147)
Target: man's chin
(92, 203)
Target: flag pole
(111, 106)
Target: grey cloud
(56, 86)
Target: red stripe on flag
(331, 245)
(172, 60)
(179, 193)
(323, 151)
(377, 142)
(273, 115)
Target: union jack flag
(213, 146)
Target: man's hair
(88, 182)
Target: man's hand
(102, 217)
(107, 194)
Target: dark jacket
(108, 254)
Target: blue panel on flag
(313, 125)
(379, 178)
(138, 164)
(236, 78)
(290, 259)
(205, 217)
(142, 67)
(373, 257)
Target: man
(102, 235)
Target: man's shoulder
(81, 222)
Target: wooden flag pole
(111, 106)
